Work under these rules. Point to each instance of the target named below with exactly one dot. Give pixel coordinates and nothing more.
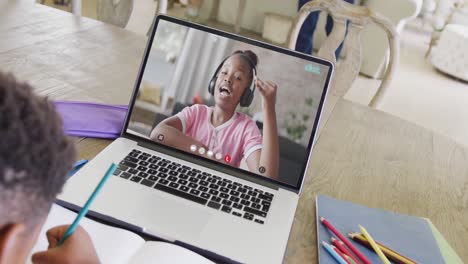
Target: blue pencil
(77, 166)
(85, 208)
(332, 252)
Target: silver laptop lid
(201, 94)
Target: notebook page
(113, 245)
(166, 253)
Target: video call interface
(228, 101)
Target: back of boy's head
(35, 155)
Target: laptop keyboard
(200, 187)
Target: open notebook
(115, 245)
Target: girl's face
(234, 77)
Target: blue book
(408, 235)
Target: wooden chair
(348, 68)
(116, 12)
(239, 15)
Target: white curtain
(200, 56)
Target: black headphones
(248, 94)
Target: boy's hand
(77, 248)
(268, 91)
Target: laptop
(209, 157)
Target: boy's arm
(77, 248)
(266, 160)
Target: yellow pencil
(374, 245)
(392, 255)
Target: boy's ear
(10, 238)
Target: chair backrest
(116, 12)
(358, 17)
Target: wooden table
(362, 155)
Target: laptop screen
(231, 100)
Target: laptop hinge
(220, 168)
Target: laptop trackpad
(159, 213)
(177, 218)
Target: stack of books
(351, 234)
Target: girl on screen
(220, 132)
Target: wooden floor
(89, 10)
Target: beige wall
(254, 10)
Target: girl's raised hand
(267, 90)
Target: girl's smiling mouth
(224, 91)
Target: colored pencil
(85, 208)
(340, 245)
(376, 248)
(347, 243)
(390, 253)
(350, 260)
(342, 255)
(334, 254)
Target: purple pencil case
(91, 119)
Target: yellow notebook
(450, 256)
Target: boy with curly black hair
(35, 157)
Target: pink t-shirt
(238, 137)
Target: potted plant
(296, 124)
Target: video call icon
(160, 137)
(202, 150)
(261, 169)
(312, 68)
(193, 148)
(209, 154)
